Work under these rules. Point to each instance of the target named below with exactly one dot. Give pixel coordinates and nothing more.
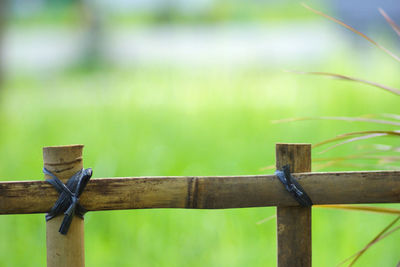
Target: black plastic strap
(293, 187)
(68, 201)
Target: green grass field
(193, 121)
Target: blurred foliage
(68, 13)
(163, 120)
(182, 121)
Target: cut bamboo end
(63, 161)
(64, 250)
(297, 155)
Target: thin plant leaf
(348, 78)
(383, 115)
(388, 148)
(347, 135)
(321, 166)
(366, 155)
(392, 116)
(360, 253)
(353, 30)
(361, 119)
(380, 236)
(266, 219)
(394, 26)
(270, 167)
(386, 159)
(362, 208)
(335, 159)
(383, 161)
(353, 140)
(377, 167)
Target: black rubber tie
(68, 200)
(293, 187)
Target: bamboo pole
(294, 223)
(64, 250)
(218, 192)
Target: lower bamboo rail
(219, 192)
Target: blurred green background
(172, 88)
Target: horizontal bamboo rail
(218, 192)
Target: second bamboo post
(294, 223)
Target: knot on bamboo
(68, 200)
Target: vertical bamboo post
(294, 223)
(64, 250)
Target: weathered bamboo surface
(206, 192)
(64, 250)
(293, 224)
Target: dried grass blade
(348, 78)
(347, 135)
(361, 208)
(365, 155)
(395, 27)
(380, 147)
(361, 252)
(377, 167)
(353, 140)
(266, 219)
(373, 241)
(270, 167)
(353, 30)
(386, 159)
(320, 166)
(392, 116)
(382, 162)
(355, 156)
(361, 119)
